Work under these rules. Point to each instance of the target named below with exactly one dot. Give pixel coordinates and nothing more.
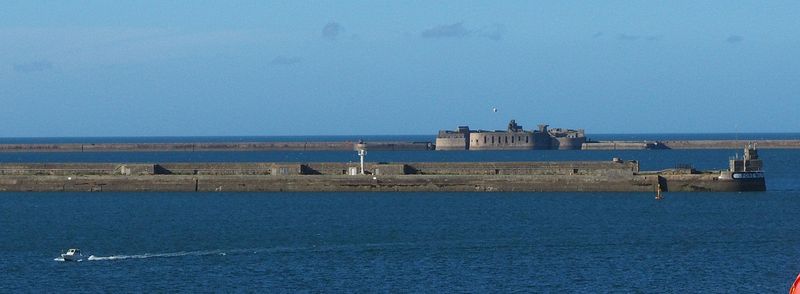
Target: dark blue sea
(405, 242)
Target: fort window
(484, 140)
(526, 139)
(512, 139)
(506, 139)
(492, 139)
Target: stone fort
(514, 137)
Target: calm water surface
(717, 242)
(407, 242)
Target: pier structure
(568, 176)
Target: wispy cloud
(285, 60)
(40, 65)
(626, 37)
(733, 39)
(456, 30)
(332, 30)
(597, 35)
(495, 32)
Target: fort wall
(513, 138)
(501, 140)
(566, 143)
(454, 142)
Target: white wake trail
(194, 253)
(157, 255)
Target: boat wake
(157, 255)
(221, 252)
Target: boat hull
(714, 183)
(66, 257)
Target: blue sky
(206, 68)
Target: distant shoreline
(372, 145)
(376, 138)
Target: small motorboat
(72, 254)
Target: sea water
(407, 242)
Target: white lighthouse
(361, 147)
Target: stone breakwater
(374, 146)
(690, 144)
(576, 176)
(223, 146)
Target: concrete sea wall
(324, 168)
(617, 145)
(198, 147)
(730, 144)
(599, 176)
(690, 144)
(321, 183)
(367, 183)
